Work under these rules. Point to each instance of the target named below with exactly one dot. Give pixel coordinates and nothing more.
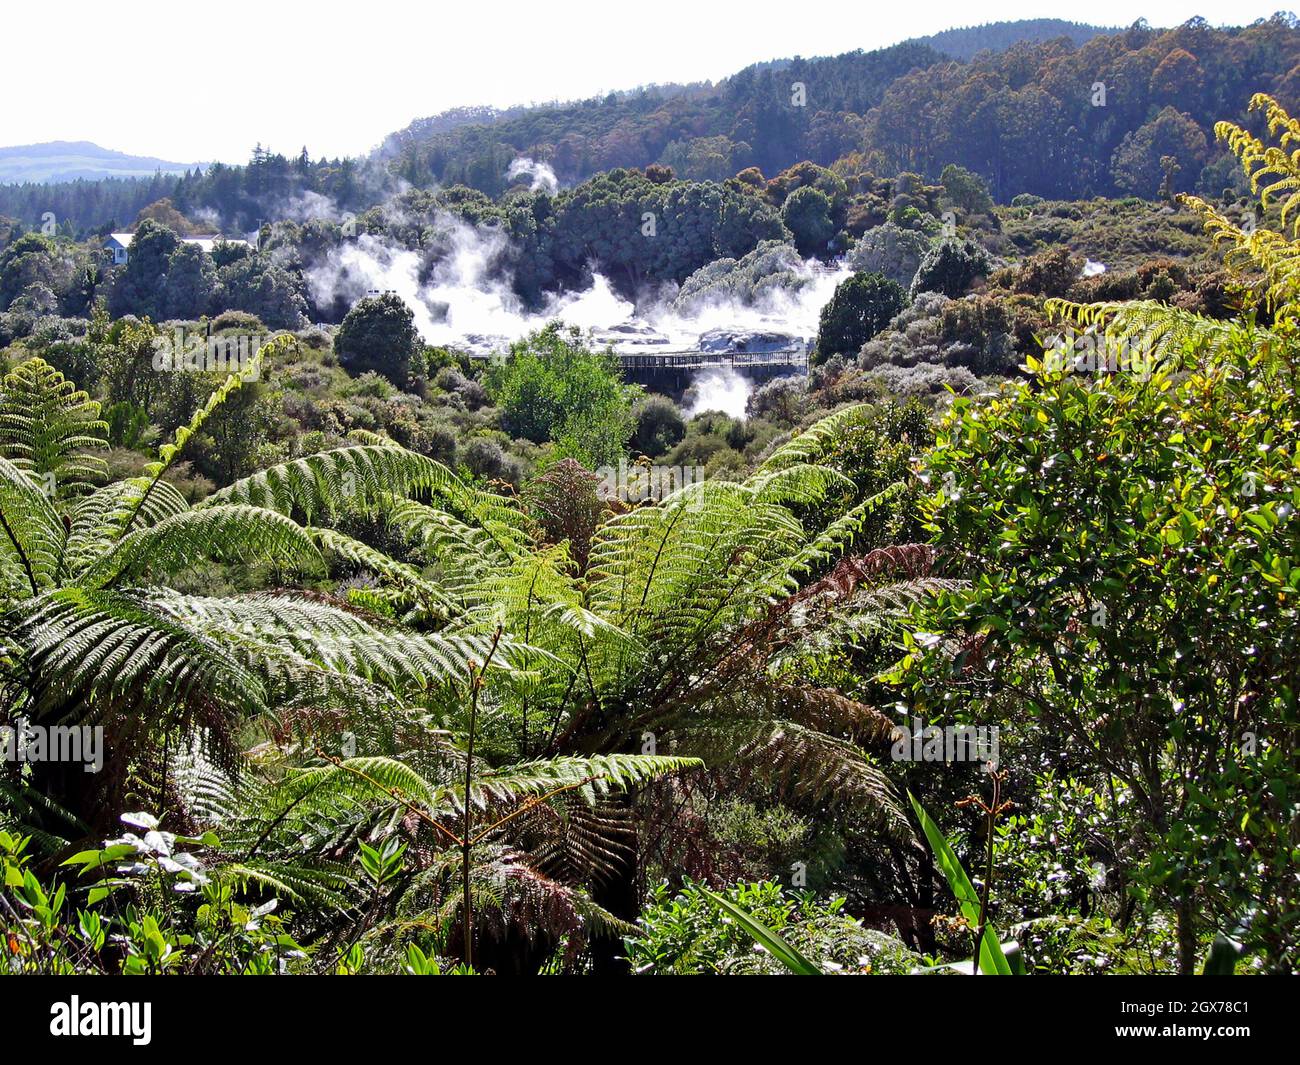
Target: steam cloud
(541, 177)
(465, 299)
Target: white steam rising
(465, 298)
(721, 389)
(540, 176)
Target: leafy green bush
(379, 334)
(1132, 542)
(952, 266)
(552, 387)
(684, 933)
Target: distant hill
(637, 127)
(71, 160)
(966, 42)
(1011, 101)
(1035, 112)
(752, 112)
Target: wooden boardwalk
(795, 358)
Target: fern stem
(22, 555)
(396, 793)
(476, 685)
(535, 801)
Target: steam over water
(467, 301)
(722, 389)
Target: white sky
(190, 82)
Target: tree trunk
(1186, 936)
(620, 894)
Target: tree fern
(50, 429)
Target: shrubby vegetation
(391, 681)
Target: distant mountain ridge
(962, 43)
(73, 160)
(966, 42)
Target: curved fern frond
(813, 445)
(801, 482)
(327, 887)
(842, 531)
(434, 601)
(50, 429)
(342, 479)
(1152, 336)
(340, 641)
(98, 653)
(231, 533)
(587, 777)
(808, 764)
(99, 519)
(1258, 249)
(1261, 162)
(31, 534)
(705, 557)
(168, 453)
(463, 553)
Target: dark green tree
(861, 307)
(379, 334)
(264, 288)
(191, 283)
(140, 287)
(807, 214)
(951, 267)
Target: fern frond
(433, 599)
(1257, 249)
(342, 479)
(93, 655)
(843, 530)
(98, 520)
(168, 453)
(31, 534)
(802, 482)
(1260, 162)
(707, 556)
(593, 776)
(1154, 336)
(50, 429)
(813, 765)
(232, 533)
(815, 443)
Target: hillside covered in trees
(1082, 113)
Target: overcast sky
(196, 82)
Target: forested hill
(756, 117)
(851, 83)
(1029, 118)
(1121, 113)
(966, 42)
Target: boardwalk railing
(698, 360)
